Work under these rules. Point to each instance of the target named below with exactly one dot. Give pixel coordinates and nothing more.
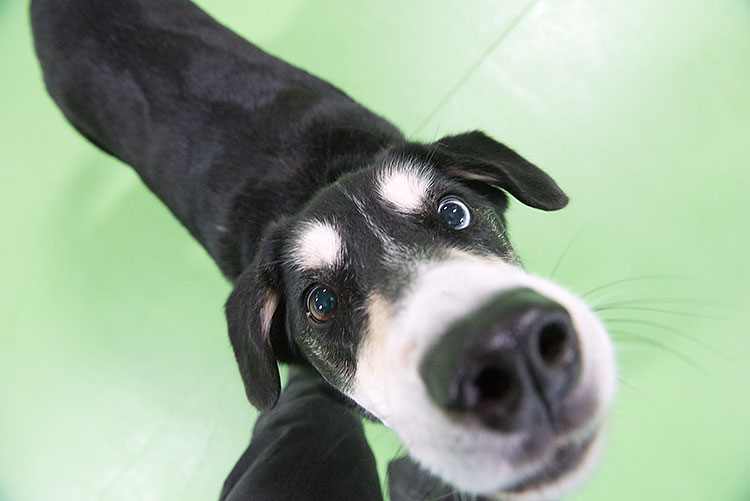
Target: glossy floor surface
(117, 381)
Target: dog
(382, 263)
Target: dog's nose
(508, 364)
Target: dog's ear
(475, 157)
(256, 321)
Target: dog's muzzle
(497, 381)
(509, 365)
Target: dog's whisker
(400, 451)
(565, 251)
(648, 301)
(630, 279)
(625, 382)
(431, 152)
(689, 314)
(617, 337)
(435, 144)
(688, 307)
(657, 325)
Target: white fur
(404, 187)
(388, 383)
(392, 247)
(318, 245)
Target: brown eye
(321, 303)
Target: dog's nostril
(507, 363)
(493, 384)
(554, 343)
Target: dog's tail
(189, 104)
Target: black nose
(508, 364)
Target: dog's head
(398, 284)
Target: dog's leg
(306, 447)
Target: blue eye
(454, 212)
(321, 303)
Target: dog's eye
(454, 212)
(321, 303)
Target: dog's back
(185, 101)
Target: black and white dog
(382, 263)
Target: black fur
(241, 146)
(227, 136)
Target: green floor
(117, 381)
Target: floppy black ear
(255, 318)
(476, 157)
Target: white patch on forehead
(318, 245)
(404, 186)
